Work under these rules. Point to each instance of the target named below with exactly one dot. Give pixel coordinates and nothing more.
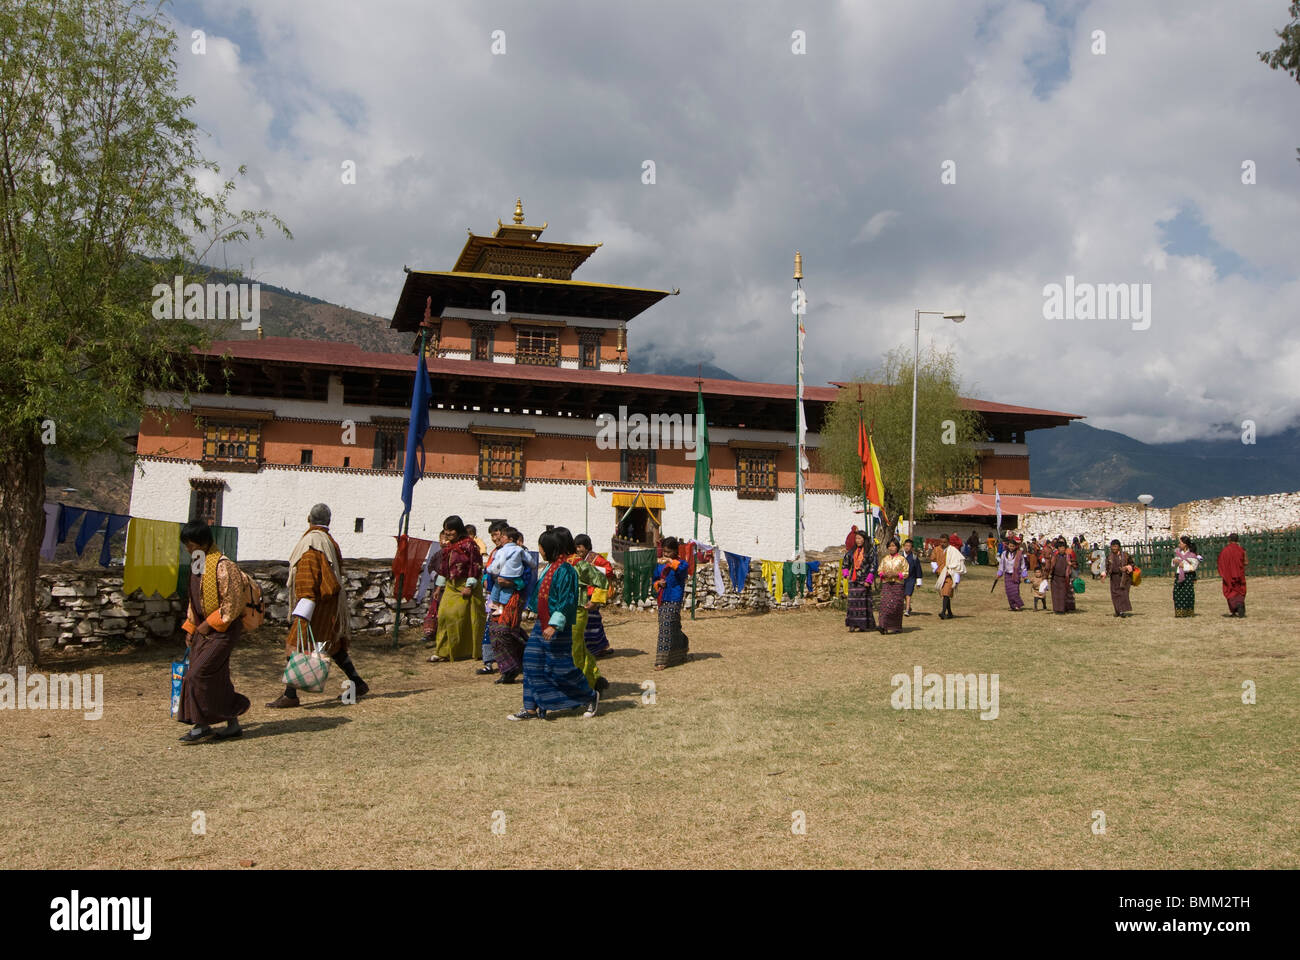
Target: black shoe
(486, 670)
(361, 688)
(601, 685)
(230, 732)
(196, 734)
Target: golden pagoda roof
(516, 246)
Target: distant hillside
(676, 367)
(1084, 462)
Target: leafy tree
(102, 196)
(945, 430)
(1287, 55)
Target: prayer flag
(873, 486)
(703, 499)
(591, 490)
(415, 432)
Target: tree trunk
(22, 526)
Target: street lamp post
(916, 363)
(1145, 499)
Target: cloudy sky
(1117, 167)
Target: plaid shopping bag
(307, 669)
(178, 676)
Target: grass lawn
(1142, 719)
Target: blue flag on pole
(415, 432)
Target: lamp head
(1145, 498)
(955, 317)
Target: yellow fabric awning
(653, 501)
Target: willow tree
(945, 429)
(101, 198)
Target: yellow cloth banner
(772, 576)
(153, 557)
(651, 501)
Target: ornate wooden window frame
(755, 474)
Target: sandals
(194, 736)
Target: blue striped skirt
(595, 638)
(551, 681)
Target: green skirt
(1185, 596)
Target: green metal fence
(1267, 554)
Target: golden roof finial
(519, 210)
(798, 265)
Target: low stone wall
(1198, 518)
(79, 606)
(1121, 522)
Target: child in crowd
(509, 569)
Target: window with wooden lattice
(589, 349)
(968, 480)
(390, 448)
(232, 443)
(205, 500)
(537, 346)
(756, 474)
(480, 341)
(638, 466)
(500, 463)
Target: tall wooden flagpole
(800, 307)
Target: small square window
(306, 458)
(347, 461)
(359, 526)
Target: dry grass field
(1142, 719)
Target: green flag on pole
(703, 502)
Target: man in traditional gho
(670, 581)
(1061, 570)
(1232, 570)
(462, 614)
(950, 571)
(1012, 568)
(594, 636)
(859, 568)
(318, 595)
(216, 601)
(1119, 569)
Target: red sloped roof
(983, 504)
(992, 406)
(324, 353)
(332, 354)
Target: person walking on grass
(318, 596)
(913, 575)
(951, 565)
(670, 581)
(1232, 570)
(216, 600)
(462, 611)
(552, 681)
(1119, 569)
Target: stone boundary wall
(1199, 518)
(80, 606)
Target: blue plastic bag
(178, 674)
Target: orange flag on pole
(872, 485)
(591, 490)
